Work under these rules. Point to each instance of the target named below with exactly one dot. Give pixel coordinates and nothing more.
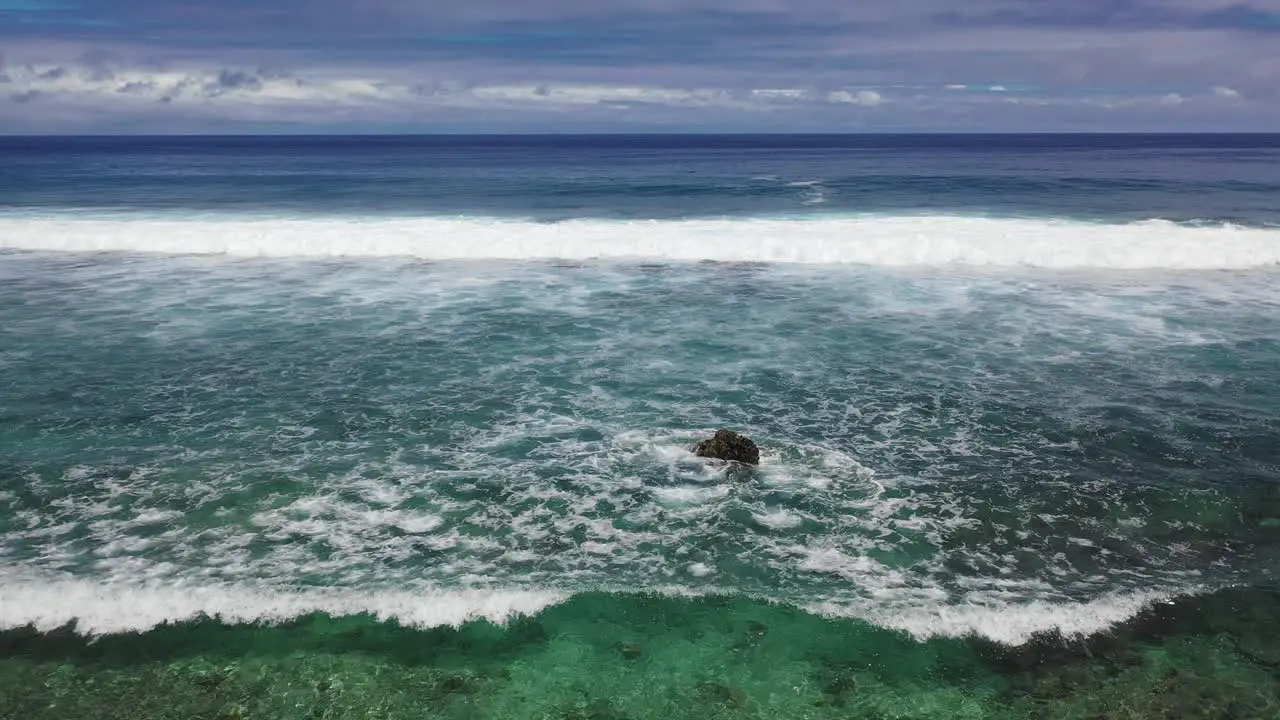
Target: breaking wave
(867, 240)
(103, 608)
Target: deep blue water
(1211, 178)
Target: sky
(303, 66)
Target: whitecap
(868, 240)
(104, 608)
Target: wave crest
(110, 608)
(895, 241)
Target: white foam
(778, 519)
(906, 240)
(105, 608)
(699, 569)
(689, 495)
(415, 524)
(1011, 623)
(102, 608)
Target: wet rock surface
(729, 446)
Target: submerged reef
(618, 657)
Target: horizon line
(693, 133)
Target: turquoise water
(603, 656)
(319, 465)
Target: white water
(901, 241)
(106, 608)
(1008, 623)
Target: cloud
(228, 92)
(869, 98)
(140, 98)
(137, 87)
(230, 86)
(781, 64)
(1226, 92)
(234, 80)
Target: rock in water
(728, 445)
(630, 651)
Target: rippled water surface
(271, 449)
(971, 439)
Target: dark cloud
(236, 80)
(26, 97)
(97, 65)
(137, 87)
(1242, 17)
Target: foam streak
(105, 608)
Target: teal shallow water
(954, 461)
(611, 657)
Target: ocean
(399, 427)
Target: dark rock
(730, 446)
(454, 683)
(838, 684)
(209, 681)
(723, 693)
(756, 632)
(599, 709)
(630, 651)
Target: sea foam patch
(1010, 623)
(868, 240)
(103, 608)
(100, 608)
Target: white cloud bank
(72, 97)
(870, 98)
(238, 92)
